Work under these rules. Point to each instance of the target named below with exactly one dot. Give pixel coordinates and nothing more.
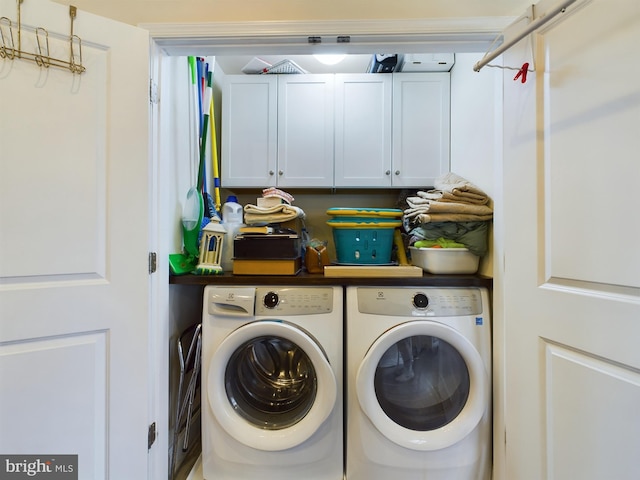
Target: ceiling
(235, 45)
(233, 64)
(352, 63)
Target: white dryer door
(270, 385)
(423, 385)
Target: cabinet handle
(388, 172)
(397, 172)
(280, 172)
(271, 172)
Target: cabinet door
(420, 128)
(305, 130)
(363, 130)
(249, 130)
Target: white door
(572, 262)
(74, 210)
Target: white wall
(475, 110)
(476, 128)
(177, 171)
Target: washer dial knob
(271, 300)
(420, 300)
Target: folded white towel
(460, 188)
(415, 201)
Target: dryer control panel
(420, 302)
(296, 301)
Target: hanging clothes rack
(10, 50)
(532, 27)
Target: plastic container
(358, 212)
(364, 236)
(232, 211)
(364, 222)
(428, 62)
(363, 244)
(232, 216)
(445, 260)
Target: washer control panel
(420, 302)
(297, 301)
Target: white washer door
(423, 385)
(270, 385)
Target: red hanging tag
(522, 73)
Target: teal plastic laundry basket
(363, 242)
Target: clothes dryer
(272, 405)
(418, 383)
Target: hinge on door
(151, 436)
(153, 92)
(153, 262)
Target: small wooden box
(280, 266)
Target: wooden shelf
(304, 278)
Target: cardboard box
(285, 266)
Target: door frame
(430, 35)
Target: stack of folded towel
(274, 207)
(453, 199)
(455, 210)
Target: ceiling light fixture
(329, 59)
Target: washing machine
(418, 383)
(272, 360)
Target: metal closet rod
(533, 26)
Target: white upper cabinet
(305, 130)
(421, 126)
(392, 130)
(249, 130)
(342, 130)
(363, 130)
(277, 130)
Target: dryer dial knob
(271, 300)
(420, 300)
